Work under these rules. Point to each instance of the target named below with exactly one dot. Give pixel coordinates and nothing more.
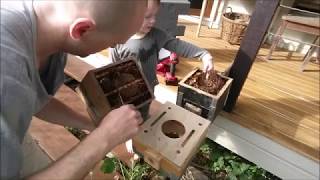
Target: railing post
(250, 45)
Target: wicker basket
(234, 26)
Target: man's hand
(207, 63)
(121, 124)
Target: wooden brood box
(111, 86)
(201, 102)
(169, 139)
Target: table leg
(308, 56)
(277, 38)
(214, 12)
(203, 8)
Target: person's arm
(117, 127)
(57, 112)
(183, 48)
(120, 52)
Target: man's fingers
(137, 113)
(207, 68)
(210, 67)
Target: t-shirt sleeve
(182, 48)
(120, 52)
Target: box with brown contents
(109, 87)
(204, 93)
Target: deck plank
(277, 100)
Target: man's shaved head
(106, 13)
(88, 26)
(119, 13)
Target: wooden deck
(277, 100)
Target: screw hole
(145, 131)
(200, 124)
(178, 152)
(169, 107)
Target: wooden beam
(250, 45)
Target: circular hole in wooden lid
(173, 129)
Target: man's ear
(81, 26)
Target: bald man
(35, 35)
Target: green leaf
(259, 177)
(220, 162)
(215, 155)
(228, 169)
(245, 177)
(232, 177)
(244, 167)
(227, 157)
(253, 169)
(259, 174)
(108, 165)
(236, 170)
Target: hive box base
(201, 102)
(169, 139)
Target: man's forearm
(117, 127)
(59, 113)
(79, 161)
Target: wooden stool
(308, 25)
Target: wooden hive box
(109, 87)
(201, 102)
(169, 138)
